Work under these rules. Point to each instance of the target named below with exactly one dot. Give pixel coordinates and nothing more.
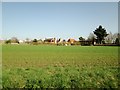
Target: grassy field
(38, 66)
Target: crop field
(40, 66)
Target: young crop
(59, 67)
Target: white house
(21, 41)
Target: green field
(38, 66)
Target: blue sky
(61, 20)
(0, 20)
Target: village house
(50, 40)
(21, 41)
(39, 41)
(71, 41)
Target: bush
(8, 41)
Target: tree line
(99, 35)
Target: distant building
(71, 41)
(50, 40)
(2, 41)
(21, 41)
(40, 41)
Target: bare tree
(109, 38)
(116, 35)
(14, 40)
(91, 36)
(27, 40)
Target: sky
(57, 19)
(59, 0)
(0, 20)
